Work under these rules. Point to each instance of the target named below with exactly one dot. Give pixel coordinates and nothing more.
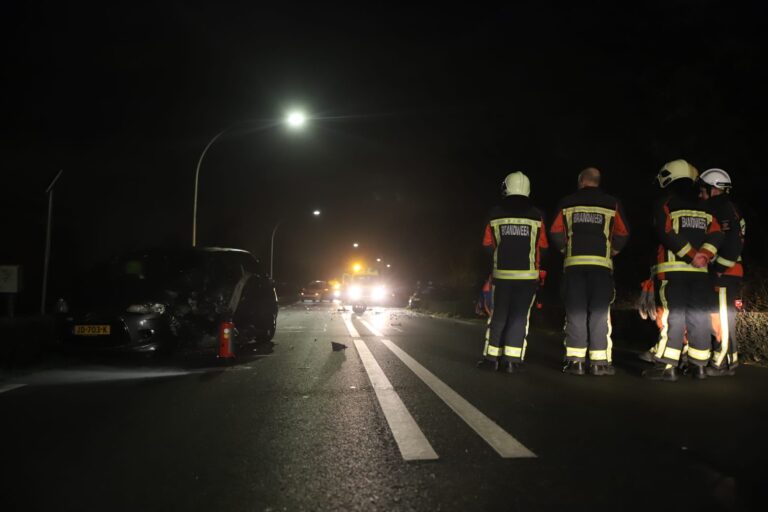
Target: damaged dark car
(159, 301)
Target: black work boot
(647, 356)
(698, 372)
(513, 367)
(599, 370)
(488, 364)
(720, 371)
(574, 368)
(661, 371)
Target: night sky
(418, 114)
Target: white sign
(9, 278)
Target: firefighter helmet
(675, 170)
(516, 184)
(716, 178)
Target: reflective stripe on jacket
(728, 260)
(684, 227)
(516, 235)
(589, 228)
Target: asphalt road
(398, 420)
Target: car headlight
(355, 292)
(379, 293)
(146, 309)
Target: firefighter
(726, 270)
(515, 238)
(589, 229)
(689, 236)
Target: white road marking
(499, 439)
(351, 328)
(371, 328)
(411, 442)
(4, 388)
(410, 439)
(396, 328)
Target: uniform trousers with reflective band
(508, 324)
(588, 295)
(725, 349)
(686, 307)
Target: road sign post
(10, 285)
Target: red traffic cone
(226, 331)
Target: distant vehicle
(364, 290)
(157, 301)
(316, 291)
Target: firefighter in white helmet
(689, 237)
(726, 269)
(515, 237)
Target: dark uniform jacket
(589, 228)
(727, 264)
(683, 227)
(516, 234)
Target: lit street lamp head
(316, 213)
(296, 119)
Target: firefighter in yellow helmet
(689, 236)
(515, 237)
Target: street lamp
(294, 120)
(355, 245)
(316, 213)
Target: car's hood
(115, 297)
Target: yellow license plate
(93, 330)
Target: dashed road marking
(4, 388)
(499, 439)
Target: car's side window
(250, 264)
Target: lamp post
(294, 120)
(47, 256)
(316, 213)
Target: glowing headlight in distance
(379, 293)
(355, 292)
(146, 309)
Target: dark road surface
(399, 420)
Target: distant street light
(388, 265)
(294, 120)
(355, 245)
(378, 260)
(316, 213)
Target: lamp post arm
(197, 181)
(272, 250)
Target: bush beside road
(629, 330)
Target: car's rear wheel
(268, 331)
